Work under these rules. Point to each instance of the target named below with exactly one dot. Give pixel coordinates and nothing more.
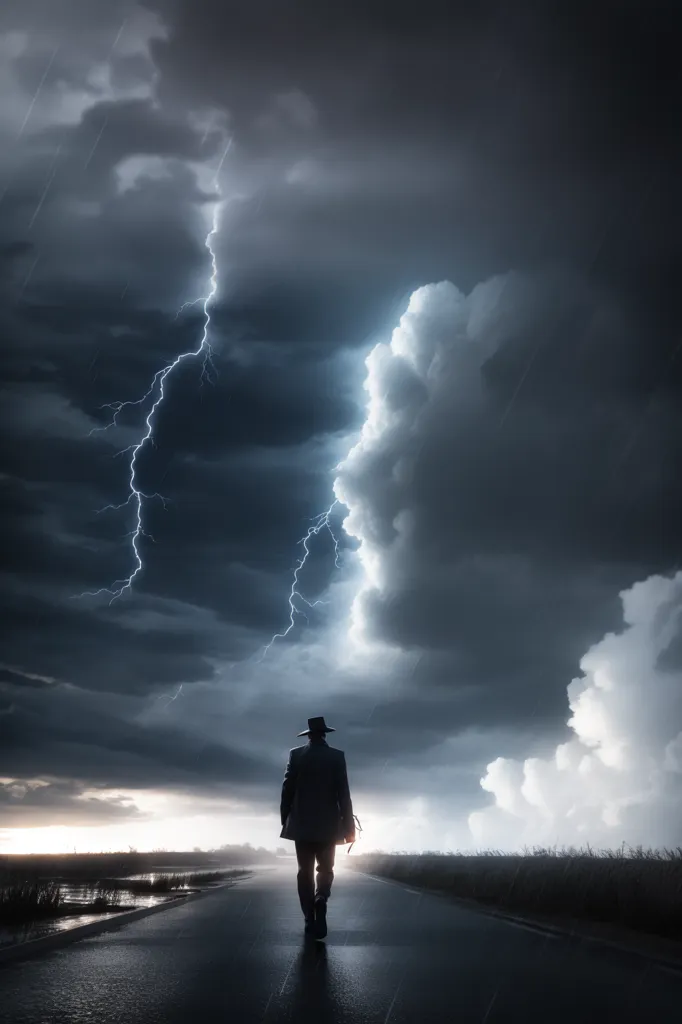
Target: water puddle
(84, 893)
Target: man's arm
(345, 803)
(288, 787)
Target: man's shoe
(320, 918)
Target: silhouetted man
(317, 813)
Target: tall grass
(26, 900)
(22, 901)
(633, 888)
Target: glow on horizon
(208, 831)
(65, 839)
(144, 837)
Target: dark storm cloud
(61, 802)
(69, 734)
(143, 661)
(551, 132)
(133, 128)
(77, 346)
(15, 676)
(375, 149)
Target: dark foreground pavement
(392, 956)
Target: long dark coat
(316, 805)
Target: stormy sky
(446, 266)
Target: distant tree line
(243, 854)
(120, 863)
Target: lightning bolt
(174, 697)
(136, 496)
(319, 523)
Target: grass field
(636, 889)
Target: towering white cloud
(494, 542)
(619, 778)
(433, 360)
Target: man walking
(317, 813)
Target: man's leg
(325, 876)
(305, 855)
(325, 854)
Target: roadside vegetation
(631, 888)
(36, 888)
(29, 901)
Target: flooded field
(83, 894)
(74, 892)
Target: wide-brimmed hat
(316, 725)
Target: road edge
(581, 933)
(24, 950)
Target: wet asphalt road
(392, 956)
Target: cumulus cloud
(472, 492)
(619, 778)
(455, 503)
(436, 352)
